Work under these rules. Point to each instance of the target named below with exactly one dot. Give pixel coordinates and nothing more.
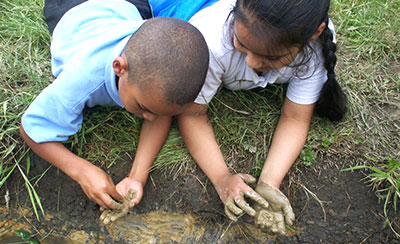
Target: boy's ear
(120, 65)
(319, 31)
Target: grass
(384, 178)
(368, 69)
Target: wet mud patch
(330, 207)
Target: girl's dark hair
(294, 22)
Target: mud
(123, 208)
(330, 207)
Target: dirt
(330, 207)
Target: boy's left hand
(129, 183)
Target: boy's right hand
(99, 187)
(232, 189)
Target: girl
(253, 43)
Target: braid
(332, 102)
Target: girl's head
(272, 32)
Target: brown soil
(330, 206)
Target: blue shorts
(55, 9)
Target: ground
(331, 207)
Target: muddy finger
(257, 198)
(103, 215)
(116, 204)
(118, 215)
(245, 206)
(131, 194)
(230, 215)
(107, 219)
(289, 214)
(248, 179)
(280, 225)
(230, 204)
(264, 218)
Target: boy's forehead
(153, 100)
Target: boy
(104, 53)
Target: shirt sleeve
(55, 114)
(212, 82)
(305, 87)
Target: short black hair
(172, 53)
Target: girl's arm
(289, 138)
(198, 135)
(287, 143)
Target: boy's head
(162, 68)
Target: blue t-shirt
(84, 44)
(181, 9)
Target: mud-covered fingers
(120, 214)
(229, 214)
(245, 206)
(105, 217)
(280, 224)
(112, 191)
(106, 202)
(116, 204)
(248, 179)
(289, 214)
(257, 198)
(264, 218)
(277, 225)
(104, 214)
(230, 204)
(231, 210)
(131, 194)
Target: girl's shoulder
(213, 22)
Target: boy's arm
(152, 137)
(96, 184)
(198, 135)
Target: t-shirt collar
(110, 77)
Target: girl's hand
(232, 189)
(128, 183)
(279, 212)
(99, 187)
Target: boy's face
(148, 103)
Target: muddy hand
(236, 205)
(122, 208)
(278, 214)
